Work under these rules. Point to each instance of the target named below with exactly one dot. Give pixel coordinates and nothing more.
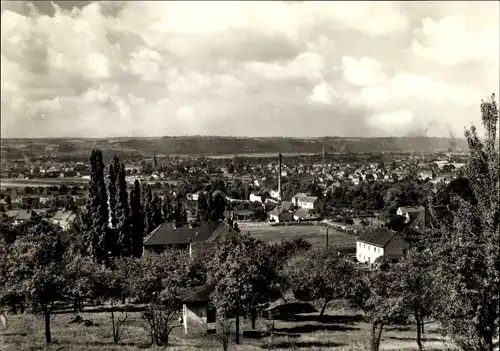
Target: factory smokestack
(279, 176)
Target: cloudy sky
(302, 69)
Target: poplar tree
(147, 204)
(113, 170)
(96, 213)
(137, 219)
(157, 211)
(123, 214)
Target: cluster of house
(371, 244)
(62, 218)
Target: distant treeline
(206, 146)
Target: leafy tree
(35, 269)
(468, 259)
(159, 282)
(80, 274)
(137, 220)
(319, 276)
(95, 218)
(377, 293)
(417, 284)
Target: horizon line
(229, 137)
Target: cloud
(460, 38)
(322, 94)
(98, 69)
(365, 71)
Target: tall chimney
(279, 176)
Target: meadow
(339, 329)
(315, 234)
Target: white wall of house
(255, 198)
(274, 217)
(367, 252)
(307, 205)
(194, 314)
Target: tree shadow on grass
(303, 344)
(327, 319)
(258, 334)
(101, 343)
(310, 328)
(400, 328)
(409, 338)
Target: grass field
(316, 234)
(340, 329)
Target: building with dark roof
(377, 242)
(187, 236)
(410, 213)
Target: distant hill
(213, 146)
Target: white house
(376, 242)
(255, 198)
(303, 201)
(63, 219)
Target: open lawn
(316, 234)
(340, 329)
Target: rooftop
(377, 236)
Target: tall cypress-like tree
(113, 170)
(147, 204)
(96, 218)
(123, 213)
(203, 207)
(157, 213)
(167, 208)
(137, 219)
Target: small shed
(198, 314)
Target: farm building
(303, 215)
(197, 312)
(376, 242)
(308, 202)
(186, 236)
(279, 215)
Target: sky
(251, 68)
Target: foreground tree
(377, 293)
(468, 259)
(417, 285)
(158, 284)
(243, 277)
(319, 276)
(35, 269)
